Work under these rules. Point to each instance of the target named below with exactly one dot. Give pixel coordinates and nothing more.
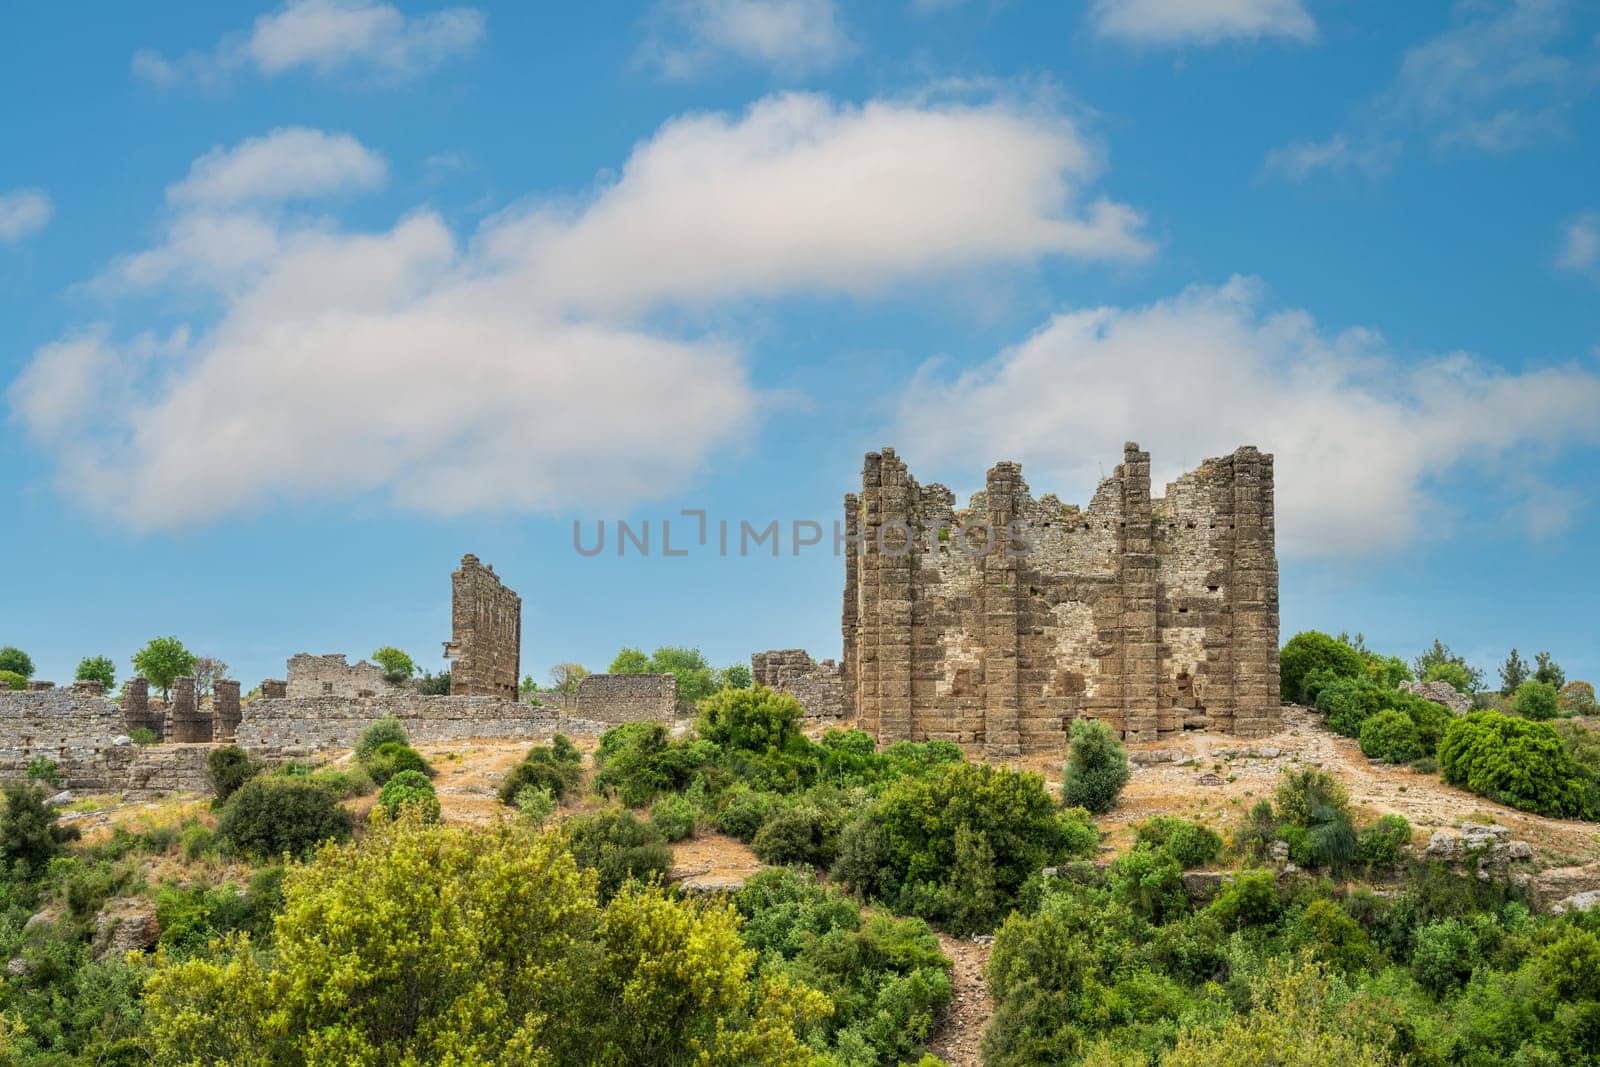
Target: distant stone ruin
(332, 676)
(1001, 623)
(819, 687)
(626, 698)
(485, 646)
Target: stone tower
(999, 623)
(485, 646)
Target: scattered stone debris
(1212, 780)
(1577, 902)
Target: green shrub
(272, 816)
(536, 805)
(197, 841)
(618, 847)
(1189, 843)
(382, 731)
(638, 760)
(391, 758)
(1327, 934)
(12, 680)
(230, 767)
(1314, 818)
(1577, 698)
(15, 661)
(1383, 843)
(1445, 954)
(1311, 651)
(751, 720)
(143, 735)
(794, 834)
(1514, 761)
(30, 831)
(1251, 899)
(43, 769)
(1149, 882)
(742, 812)
(675, 816)
(555, 768)
(1347, 704)
(1391, 736)
(1256, 831)
(1097, 767)
(409, 789)
(1537, 700)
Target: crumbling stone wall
(819, 687)
(80, 732)
(485, 646)
(332, 676)
(186, 722)
(274, 688)
(1000, 623)
(136, 710)
(225, 705)
(627, 698)
(313, 725)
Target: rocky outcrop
(1440, 693)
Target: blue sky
(303, 301)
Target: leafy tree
(272, 816)
(1311, 651)
(734, 676)
(630, 661)
(230, 767)
(696, 681)
(1537, 700)
(1513, 672)
(1577, 698)
(1515, 761)
(12, 680)
(97, 669)
(434, 683)
(397, 665)
(29, 830)
(619, 847)
(426, 944)
(1439, 663)
(163, 661)
(1548, 671)
(1097, 767)
(17, 661)
(207, 670)
(754, 720)
(564, 677)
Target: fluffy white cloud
(1179, 22)
(327, 37)
(23, 213)
(518, 370)
(1359, 435)
(1580, 245)
(291, 162)
(790, 36)
(1502, 76)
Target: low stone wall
(79, 733)
(627, 698)
(817, 686)
(305, 726)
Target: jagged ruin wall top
(332, 676)
(1151, 614)
(485, 645)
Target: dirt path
(960, 1033)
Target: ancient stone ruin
(332, 676)
(1000, 623)
(485, 646)
(818, 687)
(627, 698)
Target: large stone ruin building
(485, 646)
(1152, 614)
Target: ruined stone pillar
(896, 564)
(274, 689)
(850, 612)
(88, 687)
(869, 704)
(225, 703)
(1257, 706)
(185, 724)
(1140, 639)
(40, 686)
(136, 714)
(1002, 731)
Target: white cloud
(790, 36)
(328, 37)
(23, 213)
(1580, 246)
(1201, 22)
(291, 162)
(519, 370)
(1360, 436)
(1501, 77)
(1300, 160)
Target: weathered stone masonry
(817, 686)
(1151, 614)
(485, 645)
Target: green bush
(409, 789)
(1383, 843)
(1327, 934)
(751, 720)
(15, 661)
(1311, 651)
(743, 812)
(1348, 703)
(230, 767)
(1537, 700)
(536, 805)
(1445, 954)
(1251, 899)
(1313, 809)
(555, 768)
(272, 816)
(794, 834)
(1515, 761)
(618, 847)
(638, 760)
(44, 769)
(1391, 736)
(382, 731)
(1097, 767)
(1189, 843)
(30, 832)
(12, 680)
(1577, 698)
(391, 758)
(143, 735)
(675, 816)
(1149, 882)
